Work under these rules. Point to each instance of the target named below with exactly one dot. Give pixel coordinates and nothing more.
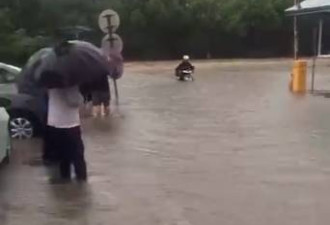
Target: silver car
(24, 110)
(4, 136)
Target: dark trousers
(65, 147)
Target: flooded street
(232, 148)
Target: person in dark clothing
(101, 98)
(87, 98)
(86, 92)
(72, 154)
(184, 65)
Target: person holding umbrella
(62, 71)
(64, 130)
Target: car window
(7, 82)
(6, 77)
(3, 75)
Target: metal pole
(320, 37)
(108, 17)
(295, 22)
(116, 91)
(314, 58)
(295, 31)
(111, 41)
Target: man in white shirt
(64, 133)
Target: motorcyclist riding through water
(185, 68)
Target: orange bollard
(299, 76)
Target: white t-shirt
(63, 107)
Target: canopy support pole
(320, 37)
(314, 59)
(295, 33)
(296, 44)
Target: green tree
(152, 29)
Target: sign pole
(111, 42)
(116, 90)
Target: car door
(4, 134)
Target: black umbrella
(27, 80)
(72, 63)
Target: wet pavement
(232, 148)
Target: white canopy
(310, 7)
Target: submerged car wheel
(21, 128)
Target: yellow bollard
(299, 76)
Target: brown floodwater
(233, 148)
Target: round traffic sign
(112, 45)
(109, 19)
